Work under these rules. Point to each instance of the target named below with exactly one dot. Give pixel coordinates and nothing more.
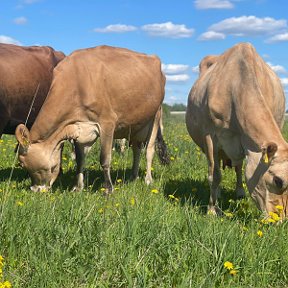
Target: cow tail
(161, 148)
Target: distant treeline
(175, 107)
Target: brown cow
(101, 92)
(25, 72)
(236, 109)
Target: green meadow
(141, 236)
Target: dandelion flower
(132, 201)
(228, 265)
(260, 233)
(171, 196)
(100, 211)
(233, 272)
(119, 181)
(155, 191)
(228, 214)
(274, 216)
(279, 208)
(19, 203)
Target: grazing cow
(236, 109)
(103, 92)
(25, 72)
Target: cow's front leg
(106, 142)
(80, 153)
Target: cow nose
(39, 188)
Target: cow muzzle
(39, 188)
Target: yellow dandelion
(155, 191)
(260, 233)
(171, 196)
(274, 216)
(172, 158)
(132, 201)
(233, 272)
(119, 181)
(117, 204)
(19, 203)
(280, 208)
(228, 265)
(101, 210)
(102, 189)
(228, 214)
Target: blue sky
(180, 32)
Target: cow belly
(230, 143)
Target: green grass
(135, 238)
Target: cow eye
(278, 182)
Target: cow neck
(259, 126)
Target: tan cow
(25, 72)
(103, 92)
(236, 110)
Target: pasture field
(141, 236)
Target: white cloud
(249, 26)
(213, 4)
(211, 35)
(168, 29)
(284, 81)
(8, 40)
(195, 69)
(174, 68)
(278, 38)
(277, 68)
(20, 20)
(177, 78)
(117, 28)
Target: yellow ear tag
(266, 160)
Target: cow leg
(150, 150)
(214, 174)
(136, 148)
(80, 153)
(106, 143)
(240, 192)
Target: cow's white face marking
(42, 164)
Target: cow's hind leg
(240, 192)
(214, 174)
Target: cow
(104, 92)
(236, 110)
(26, 73)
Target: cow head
(41, 160)
(267, 178)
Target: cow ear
(23, 136)
(268, 151)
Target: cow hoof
(77, 189)
(214, 211)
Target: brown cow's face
(42, 164)
(268, 182)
